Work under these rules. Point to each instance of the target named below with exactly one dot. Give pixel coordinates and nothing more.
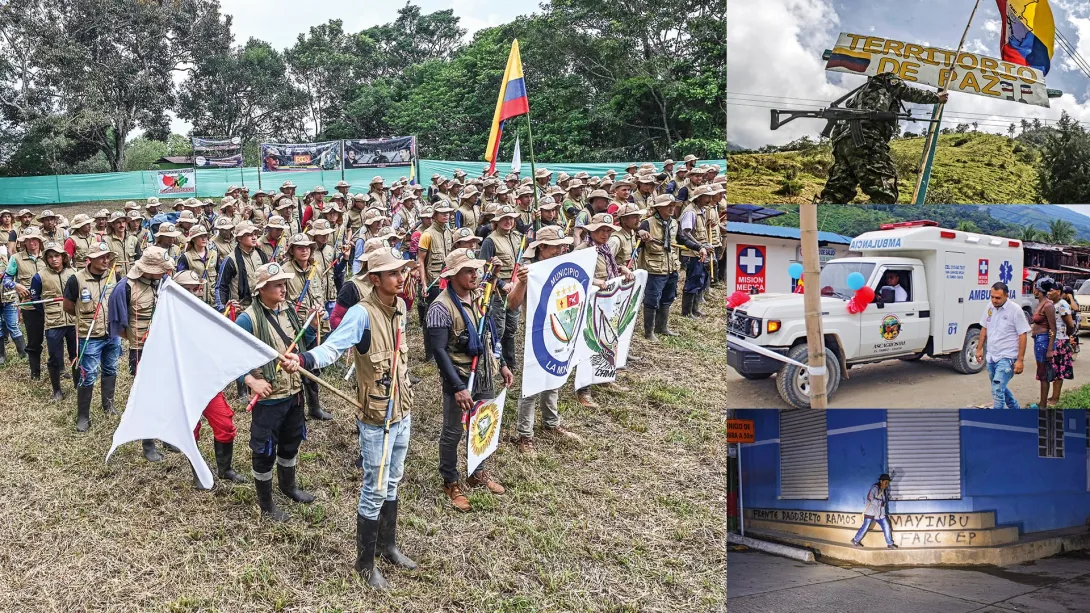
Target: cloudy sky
(281, 21)
(774, 58)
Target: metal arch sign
(971, 74)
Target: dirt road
(925, 383)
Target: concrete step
(1031, 547)
(985, 537)
(976, 520)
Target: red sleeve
(336, 316)
(308, 213)
(70, 247)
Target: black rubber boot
(697, 299)
(108, 386)
(55, 382)
(265, 501)
(387, 537)
(83, 408)
(20, 346)
(314, 406)
(3, 350)
(285, 477)
(197, 485)
(687, 305)
(35, 362)
(151, 454)
(649, 324)
(224, 453)
(171, 448)
(662, 322)
(366, 539)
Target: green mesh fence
(212, 183)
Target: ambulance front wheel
(965, 361)
(793, 383)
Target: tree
(962, 128)
(1063, 173)
(974, 126)
(1025, 126)
(1060, 232)
(242, 92)
(1010, 131)
(967, 226)
(1029, 234)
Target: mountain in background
(734, 147)
(1039, 216)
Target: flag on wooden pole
(512, 102)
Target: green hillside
(969, 168)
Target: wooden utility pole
(811, 267)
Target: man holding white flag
(375, 326)
(181, 372)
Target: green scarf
(263, 332)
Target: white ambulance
(931, 286)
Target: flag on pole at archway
(607, 329)
(556, 297)
(180, 372)
(512, 102)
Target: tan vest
(469, 217)
(323, 259)
(315, 291)
(28, 267)
(285, 384)
(441, 241)
(248, 266)
(222, 249)
(653, 256)
(121, 253)
(90, 291)
(270, 249)
(363, 286)
(642, 201)
(259, 217)
(207, 270)
(700, 227)
(142, 295)
(83, 247)
(353, 220)
(507, 248)
(53, 287)
(622, 242)
(378, 199)
(463, 361)
(377, 363)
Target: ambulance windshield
(834, 277)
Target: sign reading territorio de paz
(740, 431)
(972, 73)
(177, 182)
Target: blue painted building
(1029, 467)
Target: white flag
(484, 430)
(555, 306)
(192, 352)
(607, 330)
(516, 157)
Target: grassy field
(632, 520)
(969, 168)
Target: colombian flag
(1029, 33)
(511, 103)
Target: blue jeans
(867, 521)
(98, 352)
(9, 321)
(660, 291)
(1001, 372)
(371, 498)
(696, 275)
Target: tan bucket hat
(102, 213)
(690, 158)
(320, 227)
(223, 223)
(442, 207)
(98, 250)
(318, 189)
(153, 201)
(361, 197)
(187, 277)
(548, 235)
(575, 184)
(663, 200)
(80, 220)
(703, 190)
(195, 231)
(469, 192)
(370, 246)
(336, 196)
(47, 214)
(55, 247)
(342, 183)
(154, 261)
(300, 240)
(169, 230)
(426, 212)
(135, 215)
(226, 202)
(548, 203)
(373, 216)
(668, 162)
(377, 179)
(283, 202)
(270, 273)
(463, 235)
(383, 260)
(184, 216)
(598, 193)
(23, 212)
(543, 173)
(599, 221)
(333, 206)
(287, 185)
(627, 209)
(459, 259)
(244, 228)
(507, 211)
(131, 205)
(277, 221)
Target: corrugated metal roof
(756, 229)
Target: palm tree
(974, 126)
(967, 226)
(1025, 126)
(1061, 232)
(1010, 131)
(1029, 234)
